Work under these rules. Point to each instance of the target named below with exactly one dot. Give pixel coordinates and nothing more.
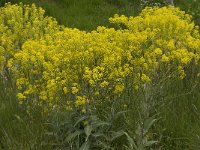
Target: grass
(16, 126)
(84, 14)
(88, 14)
(177, 107)
(178, 126)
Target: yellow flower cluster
(19, 23)
(171, 37)
(83, 67)
(2, 58)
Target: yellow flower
(119, 88)
(96, 93)
(185, 60)
(43, 95)
(69, 108)
(83, 110)
(80, 101)
(136, 87)
(145, 78)
(91, 82)
(158, 51)
(165, 58)
(104, 84)
(47, 61)
(21, 96)
(181, 72)
(65, 90)
(75, 90)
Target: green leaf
(96, 135)
(103, 144)
(80, 120)
(149, 143)
(73, 135)
(85, 146)
(132, 145)
(139, 135)
(99, 124)
(148, 123)
(88, 130)
(116, 135)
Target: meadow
(99, 75)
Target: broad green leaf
(88, 130)
(85, 146)
(71, 136)
(148, 124)
(149, 143)
(132, 145)
(80, 120)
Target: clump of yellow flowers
(67, 66)
(19, 23)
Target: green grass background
(180, 112)
(88, 14)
